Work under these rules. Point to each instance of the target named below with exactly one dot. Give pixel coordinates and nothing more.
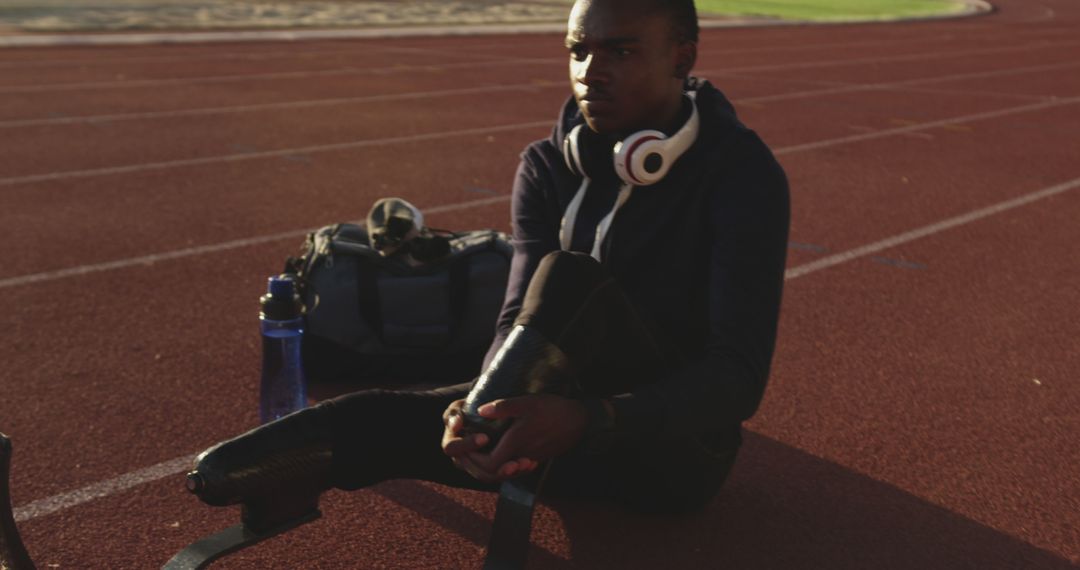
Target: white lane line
(34, 88)
(311, 103)
(466, 49)
(146, 259)
(835, 88)
(178, 58)
(279, 35)
(970, 93)
(472, 51)
(841, 87)
(240, 157)
(101, 489)
(970, 8)
(122, 483)
(338, 71)
(929, 230)
(254, 55)
(214, 248)
(707, 48)
(923, 126)
(54, 176)
(1040, 45)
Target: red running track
(922, 411)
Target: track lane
(289, 170)
(137, 108)
(38, 155)
(184, 380)
(234, 201)
(977, 218)
(231, 90)
(960, 337)
(812, 62)
(17, 96)
(364, 56)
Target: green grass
(828, 9)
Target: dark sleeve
(749, 216)
(534, 234)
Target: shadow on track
(782, 508)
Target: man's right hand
(462, 449)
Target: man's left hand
(544, 426)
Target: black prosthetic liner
(526, 364)
(291, 456)
(532, 360)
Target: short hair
(683, 14)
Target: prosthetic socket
(526, 364)
(277, 470)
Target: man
(700, 254)
(656, 335)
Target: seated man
(650, 235)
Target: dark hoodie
(700, 254)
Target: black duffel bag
(420, 315)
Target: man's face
(623, 64)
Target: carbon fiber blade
(13, 555)
(508, 547)
(203, 552)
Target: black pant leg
(391, 434)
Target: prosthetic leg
(569, 305)
(527, 363)
(13, 555)
(276, 472)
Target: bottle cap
(281, 301)
(280, 287)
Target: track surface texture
(923, 407)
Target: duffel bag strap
(367, 297)
(458, 292)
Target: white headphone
(642, 158)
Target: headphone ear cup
(641, 158)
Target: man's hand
(460, 447)
(544, 427)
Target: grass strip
(825, 10)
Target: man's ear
(685, 58)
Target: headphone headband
(572, 151)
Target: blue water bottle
(284, 388)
